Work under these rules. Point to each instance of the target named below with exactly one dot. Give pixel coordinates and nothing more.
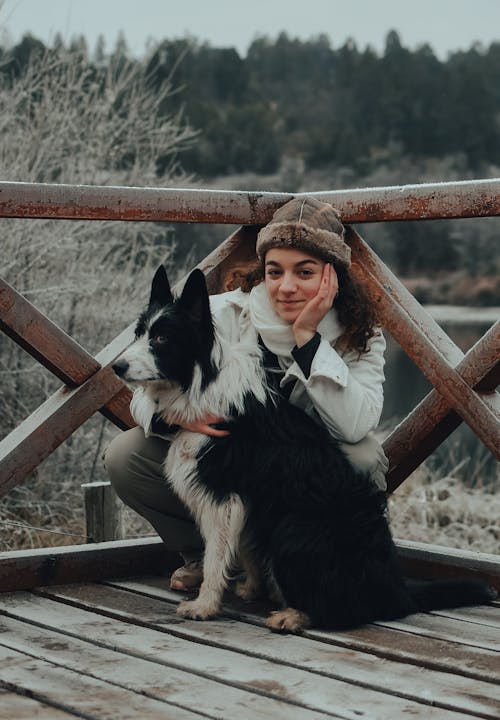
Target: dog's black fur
(319, 525)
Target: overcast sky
(444, 24)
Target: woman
(318, 331)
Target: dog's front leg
(221, 524)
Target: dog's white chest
(181, 465)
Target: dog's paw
(196, 610)
(247, 590)
(288, 620)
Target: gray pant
(134, 465)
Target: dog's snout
(120, 367)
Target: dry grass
(61, 123)
(445, 511)
(426, 508)
(36, 516)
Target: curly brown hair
(355, 311)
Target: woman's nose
(288, 283)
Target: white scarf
(277, 335)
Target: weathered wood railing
(464, 385)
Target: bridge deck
(116, 649)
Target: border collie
(277, 493)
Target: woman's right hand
(205, 426)
(306, 323)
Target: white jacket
(343, 390)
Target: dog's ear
(161, 294)
(194, 298)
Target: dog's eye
(158, 339)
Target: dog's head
(172, 336)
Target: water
(462, 453)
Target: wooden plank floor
(117, 650)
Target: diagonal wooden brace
(68, 408)
(55, 350)
(425, 343)
(432, 421)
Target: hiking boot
(188, 577)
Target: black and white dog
(277, 493)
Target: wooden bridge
(90, 631)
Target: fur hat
(306, 224)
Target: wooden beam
(55, 420)
(59, 416)
(367, 266)
(88, 202)
(43, 339)
(104, 519)
(432, 421)
(55, 350)
(235, 254)
(25, 569)
(470, 198)
(424, 201)
(424, 342)
(435, 562)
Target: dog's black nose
(120, 367)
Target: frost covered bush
(445, 511)
(65, 121)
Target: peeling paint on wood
(465, 199)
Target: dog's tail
(440, 594)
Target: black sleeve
(160, 427)
(304, 355)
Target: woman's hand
(204, 426)
(306, 324)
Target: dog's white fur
(220, 523)
(142, 364)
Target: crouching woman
(318, 332)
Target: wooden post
(103, 512)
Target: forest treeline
(333, 107)
(301, 115)
(289, 97)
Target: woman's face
(292, 278)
